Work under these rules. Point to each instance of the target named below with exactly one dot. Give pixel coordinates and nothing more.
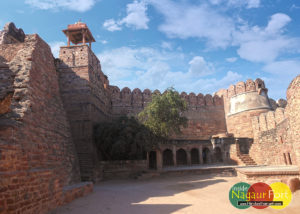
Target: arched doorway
(206, 155)
(195, 156)
(218, 155)
(181, 157)
(168, 158)
(152, 160)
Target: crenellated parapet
(245, 87)
(268, 120)
(138, 99)
(245, 96)
(281, 103)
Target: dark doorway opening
(218, 155)
(206, 155)
(195, 156)
(181, 157)
(152, 160)
(168, 158)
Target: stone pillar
(189, 158)
(200, 155)
(158, 160)
(68, 39)
(174, 155)
(83, 36)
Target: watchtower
(79, 33)
(83, 90)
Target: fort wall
(242, 102)
(205, 113)
(86, 100)
(293, 113)
(37, 155)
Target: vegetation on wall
(164, 114)
(124, 139)
(130, 138)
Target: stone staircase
(246, 159)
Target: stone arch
(195, 156)
(181, 157)
(206, 155)
(168, 157)
(218, 154)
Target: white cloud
(75, 5)
(111, 25)
(238, 3)
(182, 20)
(167, 45)
(258, 44)
(55, 47)
(136, 15)
(151, 68)
(248, 3)
(281, 74)
(231, 59)
(199, 67)
(104, 42)
(277, 22)
(286, 68)
(136, 18)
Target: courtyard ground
(190, 194)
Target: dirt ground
(191, 194)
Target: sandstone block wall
(205, 113)
(242, 102)
(272, 143)
(37, 156)
(84, 91)
(293, 113)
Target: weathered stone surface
(294, 184)
(11, 34)
(37, 154)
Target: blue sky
(192, 45)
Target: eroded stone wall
(37, 156)
(293, 113)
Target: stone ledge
(75, 191)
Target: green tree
(124, 139)
(164, 114)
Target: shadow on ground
(126, 196)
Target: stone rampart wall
(37, 155)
